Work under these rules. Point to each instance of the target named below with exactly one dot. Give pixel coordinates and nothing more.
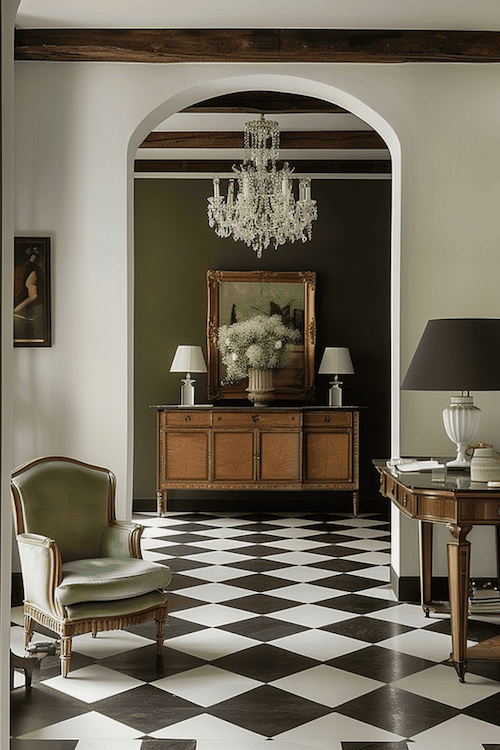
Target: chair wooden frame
(54, 616)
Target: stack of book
(484, 600)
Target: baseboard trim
(407, 588)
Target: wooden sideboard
(248, 448)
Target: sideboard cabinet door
(279, 456)
(233, 456)
(329, 447)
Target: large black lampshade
(457, 354)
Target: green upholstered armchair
(82, 569)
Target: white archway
(304, 87)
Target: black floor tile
(367, 629)
(43, 744)
(143, 663)
(268, 711)
(265, 663)
(340, 565)
(147, 708)
(357, 603)
(260, 583)
(261, 604)
(263, 628)
(257, 564)
(397, 711)
(379, 663)
(486, 710)
(40, 707)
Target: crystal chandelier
(262, 208)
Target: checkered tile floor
(283, 633)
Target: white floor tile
(306, 592)
(152, 556)
(326, 685)
(93, 683)
(91, 725)
(16, 615)
(372, 558)
(208, 727)
(152, 532)
(206, 685)
(296, 532)
(222, 544)
(377, 573)
(312, 615)
(406, 614)
(383, 592)
(100, 744)
(337, 728)
(215, 592)
(218, 557)
(152, 543)
(423, 643)
(302, 573)
(291, 521)
(368, 532)
(17, 640)
(216, 573)
(319, 644)
(210, 644)
(440, 683)
(358, 522)
(297, 558)
(225, 520)
(373, 545)
(296, 545)
(224, 532)
(457, 732)
(213, 615)
(149, 521)
(108, 643)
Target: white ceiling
(331, 14)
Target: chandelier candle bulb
(216, 187)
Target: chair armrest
(41, 568)
(122, 539)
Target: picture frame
(32, 292)
(239, 295)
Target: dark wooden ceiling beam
(302, 166)
(264, 102)
(358, 139)
(257, 45)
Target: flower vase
(260, 387)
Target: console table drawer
(330, 418)
(185, 419)
(248, 419)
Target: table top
(326, 407)
(455, 481)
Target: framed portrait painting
(234, 296)
(32, 302)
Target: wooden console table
(460, 504)
(248, 448)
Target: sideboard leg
(161, 501)
(458, 549)
(355, 502)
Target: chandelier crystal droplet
(261, 208)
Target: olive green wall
(350, 251)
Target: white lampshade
(188, 359)
(336, 361)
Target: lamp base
(335, 392)
(187, 391)
(461, 421)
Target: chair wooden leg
(65, 655)
(29, 626)
(160, 635)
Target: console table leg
(458, 550)
(425, 533)
(161, 502)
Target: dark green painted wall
(350, 251)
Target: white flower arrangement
(259, 343)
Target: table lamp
(188, 359)
(457, 354)
(336, 361)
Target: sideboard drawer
(405, 499)
(185, 418)
(328, 419)
(245, 420)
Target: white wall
(77, 127)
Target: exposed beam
(302, 166)
(265, 102)
(358, 139)
(257, 45)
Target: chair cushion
(108, 579)
(115, 609)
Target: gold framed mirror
(234, 296)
